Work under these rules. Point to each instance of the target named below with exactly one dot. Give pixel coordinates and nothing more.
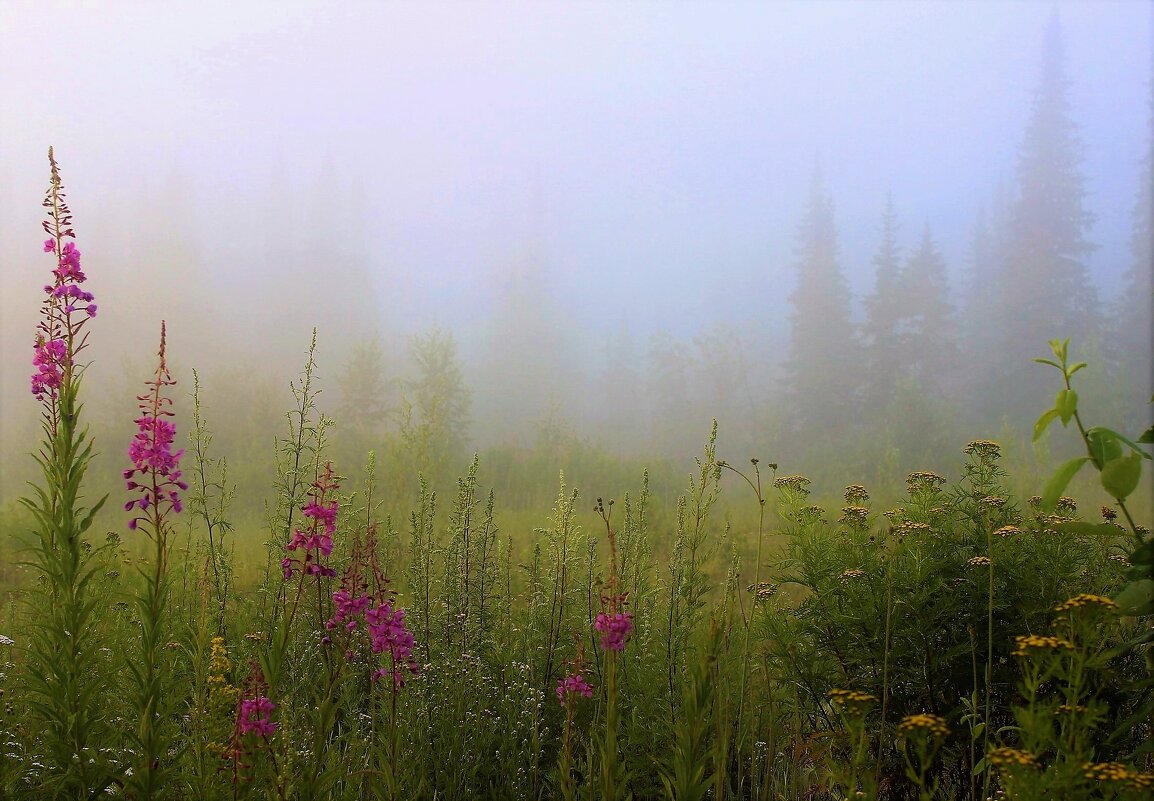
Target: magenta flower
(615, 629)
(388, 634)
(255, 716)
(50, 359)
(571, 686)
(60, 334)
(317, 541)
(150, 451)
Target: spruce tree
(1044, 290)
(927, 329)
(882, 310)
(1133, 337)
(823, 365)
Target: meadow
(728, 638)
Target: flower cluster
(978, 561)
(931, 724)
(151, 452)
(854, 701)
(254, 716)
(615, 628)
(50, 360)
(922, 481)
(1025, 644)
(854, 516)
(855, 495)
(1005, 532)
(58, 335)
(388, 633)
(1086, 599)
(796, 484)
(983, 449)
(317, 541)
(1117, 772)
(571, 686)
(1012, 757)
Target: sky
(653, 157)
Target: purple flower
(151, 451)
(615, 629)
(388, 633)
(571, 686)
(254, 716)
(50, 360)
(317, 541)
(49, 245)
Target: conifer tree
(1044, 290)
(1133, 337)
(882, 311)
(927, 329)
(823, 365)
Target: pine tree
(823, 364)
(927, 329)
(1044, 290)
(882, 310)
(1134, 322)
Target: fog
(599, 202)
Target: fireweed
(569, 688)
(64, 690)
(615, 627)
(155, 479)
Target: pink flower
(317, 541)
(388, 633)
(49, 245)
(151, 454)
(255, 716)
(571, 686)
(50, 360)
(615, 629)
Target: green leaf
(1044, 422)
(981, 767)
(1066, 404)
(1143, 555)
(1147, 437)
(1075, 369)
(1111, 434)
(1120, 476)
(1060, 480)
(1104, 446)
(1047, 361)
(1137, 598)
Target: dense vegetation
(962, 643)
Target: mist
(592, 217)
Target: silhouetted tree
(1133, 335)
(883, 309)
(1044, 290)
(823, 366)
(436, 405)
(364, 391)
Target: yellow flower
(931, 724)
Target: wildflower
(854, 516)
(763, 591)
(849, 575)
(1086, 599)
(922, 481)
(1012, 757)
(983, 449)
(908, 527)
(317, 541)
(1040, 642)
(1109, 515)
(6, 640)
(388, 633)
(851, 700)
(855, 495)
(50, 361)
(254, 716)
(797, 484)
(992, 502)
(931, 724)
(978, 561)
(1066, 505)
(571, 686)
(615, 628)
(151, 454)
(1006, 532)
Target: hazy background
(560, 186)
